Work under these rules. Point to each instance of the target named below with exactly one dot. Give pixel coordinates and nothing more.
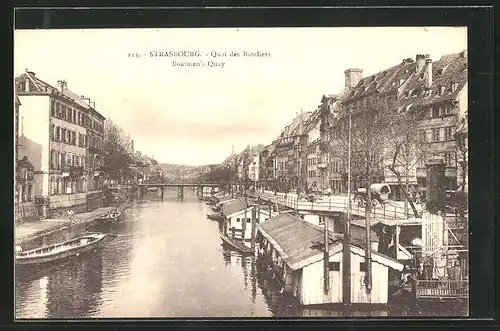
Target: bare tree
(405, 151)
(371, 127)
(117, 158)
(460, 136)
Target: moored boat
(236, 245)
(64, 250)
(111, 216)
(216, 217)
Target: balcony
(73, 171)
(322, 165)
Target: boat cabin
(294, 249)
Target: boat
(110, 217)
(216, 217)
(216, 208)
(64, 250)
(236, 245)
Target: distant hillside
(179, 172)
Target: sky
(194, 115)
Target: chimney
(463, 54)
(132, 146)
(420, 60)
(62, 84)
(352, 77)
(428, 73)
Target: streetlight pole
(346, 257)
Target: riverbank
(33, 230)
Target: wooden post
(270, 209)
(346, 262)
(254, 228)
(326, 258)
(258, 208)
(161, 196)
(244, 224)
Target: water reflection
(166, 261)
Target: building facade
(54, 138)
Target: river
(166, 261)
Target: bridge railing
(335, 204)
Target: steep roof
(233, 206)
(300, 243)
(409, 84)
(40, 87)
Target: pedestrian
(70, 214)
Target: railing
(336, 204)
(442, 289)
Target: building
(293, 248)
(55, 141)
(94, 123)
(334, 175)
(290, 159)
(254, 169)
(437, 91)
(266, 172)
(24, 205)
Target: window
(74, 115)
(422, 136)
(436, 112)
(53, 159)
(73, 141)
(52, 133)
(321, 220)
(448, 110)
(448, 159)
(52, 108)
(249, 220)
(57, 187)
(362, 266)
(441, 90)
(454, 87)
(334, 266)
(448, 133)
(59, 133)
(435, 135)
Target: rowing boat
(64, 250)
(111, 216)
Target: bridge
(180, 187)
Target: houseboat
(293, 249)
(237, 224)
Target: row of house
(308, 152)
(59, 155)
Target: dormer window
(454, 86)
(439, 71)
(441, 90)
(401, 81)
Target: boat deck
(239, 246)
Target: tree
(370, 126)
(117, 157)
(405, 151)
(460, 136)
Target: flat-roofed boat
(62, 251)
(110, 217)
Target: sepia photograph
(241, 172)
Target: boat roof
(299, 242)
